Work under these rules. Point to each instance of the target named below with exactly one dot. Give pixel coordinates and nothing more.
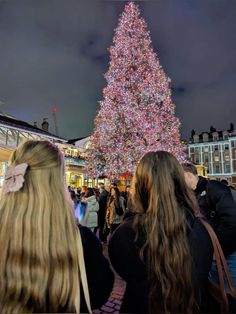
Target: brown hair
(116, 198)
(39, 263)
(89, 192)
(159, 195)
(188, 167)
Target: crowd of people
(105, 209)
(52, 259)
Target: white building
(217, 151)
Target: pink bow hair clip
(14, 178)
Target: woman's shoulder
(125, 234)
(87, 236)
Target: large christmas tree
(137, 114)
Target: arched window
(205, 137)
(225, 135)
(196, 138)
(215, 136)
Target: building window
(206, 149)
(233, 143)
(197, 159)
(216, 147)
(196, 139)
(227, 168)
(206, 158)
(217, 158)
(205, 137)
(215, 136)
(227, 158)
(226, 146)
(217, 169)
(225, 135)
(192, 150)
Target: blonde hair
(159, 195)
(39, 269)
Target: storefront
(74, 172)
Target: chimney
(35, 124)
(45, 124)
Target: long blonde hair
(39, 269)
(159, 194)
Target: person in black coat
(232, 188)
(163, 252)
(99, 275)
(102, 201)
(217, 205)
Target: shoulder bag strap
(221, 263)
(83, 275)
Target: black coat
(102, 201)
(124, 255)
(217, 205)
(99, 275)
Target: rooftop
(7, 120)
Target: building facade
(217, 151)
(13, 132)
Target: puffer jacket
(92, 209)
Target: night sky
(54, 53)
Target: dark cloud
(54, 53)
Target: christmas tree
(137, 114)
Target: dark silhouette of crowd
(161, 234)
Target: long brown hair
(115, 198)
(159, 195)
(39, 268)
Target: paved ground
(116, 297)
(115, 300)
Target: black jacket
(125, 258)
(217, 205)
(102, 201)
(99, 275)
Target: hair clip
(14, 178)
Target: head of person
(159, 192)
(114, 192)
(38, 230)
(101, 187)
(89, 192)
(84, 189)
(127, 189)
(225, 182)
(190, 175)
(114, 185)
